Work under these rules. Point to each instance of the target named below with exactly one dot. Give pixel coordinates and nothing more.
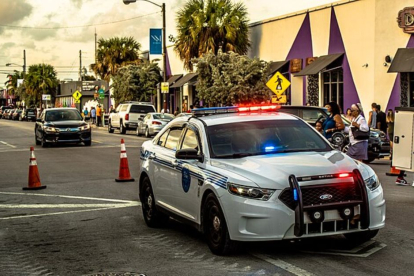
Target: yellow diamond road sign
(278, 83)
(77, 95)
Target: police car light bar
(233, 109)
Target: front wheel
(215, 227)
(44, 143)
(153, 218)
(87, 143)
(37, 141)
(361, 237)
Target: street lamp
(164, 47)
(24, 63)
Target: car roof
(60, 108)
(240, 117)
(301, 107)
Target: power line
(75, 27)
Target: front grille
(311, 195)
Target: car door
(164, 167)
(189, 180)
(115, 116)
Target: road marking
(95, 207)
(98, 142)
(7, 144)
(284, 265)
(353, 252)
(66, 196)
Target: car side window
(290, 111)
(172, 139)
(124, 108)
(118, 108)
(190, 140)
(162, 139)
(311, 115)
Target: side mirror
(189, 154)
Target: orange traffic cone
(34, 178)
(393, 172)
(124, 175)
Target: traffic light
(127, 2)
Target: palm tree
(113, 54)
(208, 25)
(12, 85)
(41, 79)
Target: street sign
(278, 83)
(279, 99)
(101, 93)
(46, 97)
(165, 86)
(77, 95)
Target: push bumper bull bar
(299, 227)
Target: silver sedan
(152, 123)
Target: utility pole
(80, 65)
(164, 57)
(24, 63)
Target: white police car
(255, 174)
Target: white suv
(254, 174)
(126, 116)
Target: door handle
(174, 163)
(151, 155)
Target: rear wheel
(153, 218)
(215, 227)
(110, 129)
(44, 143)
(361, 237)
(122, 129)
(138, 133)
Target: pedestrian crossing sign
(77, 95)
(278, 83)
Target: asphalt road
(84, 223)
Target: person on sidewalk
(93, 114)
(401, 180)
(372, 120)
(358, 148)
(98, 116)
(381, 120)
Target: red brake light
(259, 108)
(127, 116)
(156, 123)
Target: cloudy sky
(49, 29)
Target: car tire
(361, 237)
(147, 134)
(88, 143)
(215, 227)
(37, 141)
(43, 143)
(110, 129)
(122, 129)
(138, 133)
(153, 218)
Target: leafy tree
(41, 79)
(136, 82)
(210, 25)
(113, 54)
(230, 78)
(12, 85)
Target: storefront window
(333, 87)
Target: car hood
(272, 171)
(66, 123)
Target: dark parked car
(378, 144)
(29, 114)
(62, 125)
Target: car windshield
(163, 116)
(62, 115)
(237, 140)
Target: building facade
(345, 52)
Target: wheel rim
(148, 203)
(215, 227)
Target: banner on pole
(155, 41)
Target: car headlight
(50, 129)
(372, 182)
(85, 127)
(250, 192)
